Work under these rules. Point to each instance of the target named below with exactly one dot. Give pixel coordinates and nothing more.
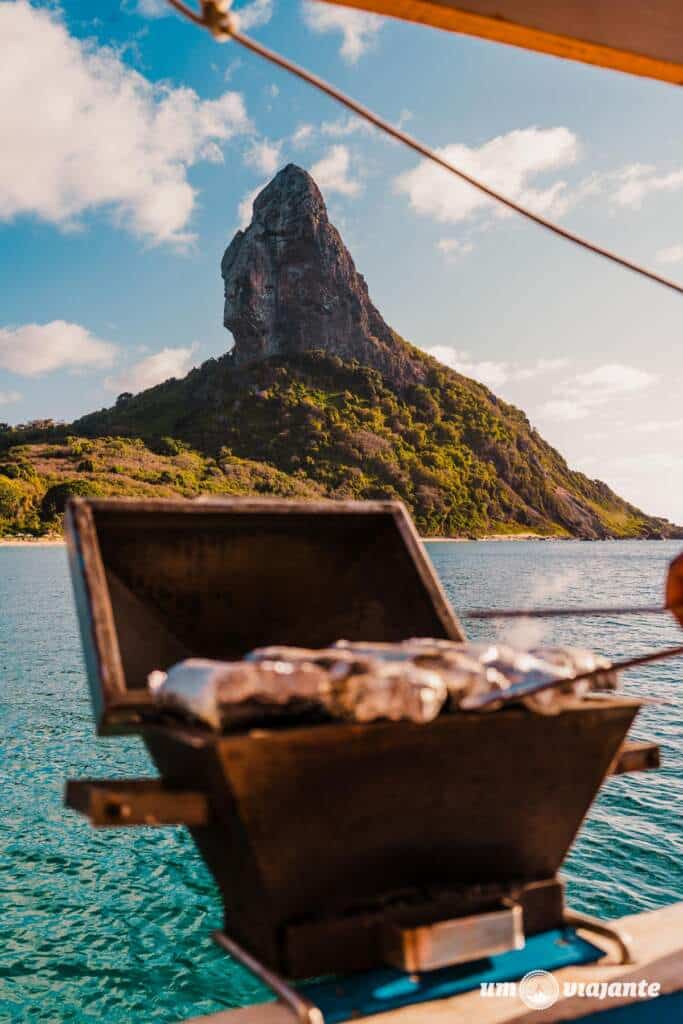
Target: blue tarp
(360, 995)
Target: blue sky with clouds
(137, 144)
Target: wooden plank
(635, 757)
(639, 38)
(218, 506)
(98, 633)
(136, 802)
(432, 584)
(148, 637)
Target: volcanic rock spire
(291, 285)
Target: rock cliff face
(317, 398)
(291, 285)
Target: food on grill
(204, 689)
(364, 682)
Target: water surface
(114, 925)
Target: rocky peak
(291, 285)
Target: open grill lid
(160, 581)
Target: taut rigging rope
(215, 17)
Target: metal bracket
(608, 931)
(115, 802)
(301, 1008)
(635, 757)
(456, 941)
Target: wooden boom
(641, 38)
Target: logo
(538, 990)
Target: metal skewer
(527, 688)
(556, 613)
(673, 603)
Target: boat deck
(656, 941)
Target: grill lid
(160, 581)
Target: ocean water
(114, 925)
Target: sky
(134, 144)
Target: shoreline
(31, 542)
(492, 536)
(26, 542)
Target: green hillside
(465, 462)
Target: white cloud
(494, 374)
(245, 208)
(9, 397)
(637, 181)
(331, 172)
(666, 427)
(344, 126)
(648, 479)
(453, 247)
(33, 349)
(672, 254)
(153, 8)
(539, 367)
(263, 156)
(232, 68)
(612, 380)
(340, 128)
(507, 163)
(359, 30)
(254, 14)
(248, 16)
(303, 135)
(90, 133)
(154, 369)
(627, 188)
(563, 410)
(587, 392)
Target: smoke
(528, 633)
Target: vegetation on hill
(36, 480)
(465, 462)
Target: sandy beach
(56, 541)
(493, 536)
(25, 542)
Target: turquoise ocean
(114, 925)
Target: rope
(215, 17)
